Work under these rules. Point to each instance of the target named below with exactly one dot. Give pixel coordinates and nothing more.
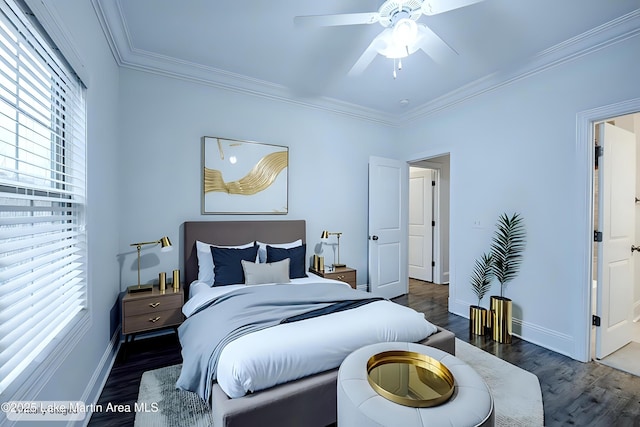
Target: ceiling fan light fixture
(394, 52)
(405, 32)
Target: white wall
(162, 122)
(80, 376)
(514, 149)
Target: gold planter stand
(477, 320)
(501, 319)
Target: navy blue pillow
(227, 265)
(296, 259)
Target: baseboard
(99, 378)
(551, 340)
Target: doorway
(422, 212)
(616, 341)
(428, 229)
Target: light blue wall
(81, 374)
(514, 149)
(162, 121)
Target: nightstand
(151, 311)
(344, 274)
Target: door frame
(415, 160)
(585, 158)
(428, 217)
(436, 248)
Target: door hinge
(597, 236)
(433, 263)
(598, 154)
(433, 183)
(595, 320)
(433, 223)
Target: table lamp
(325, 235)
(165, 246)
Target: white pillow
(272, 272)
(205, 260)
(262, 249)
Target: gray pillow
(271, 272)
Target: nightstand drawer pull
(340, 277)
(154, 304)
(154, 320)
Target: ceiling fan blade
(433, 7)
(335, 20)
(369, 54)
(433, 45)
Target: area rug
(516, 393)
(167, 406)
(626, 359)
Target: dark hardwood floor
(123, 383)
(573, 393)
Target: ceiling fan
(402, 36)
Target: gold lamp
(165, 246)
(325, 235)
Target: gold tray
(409, 378)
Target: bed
(309, 400)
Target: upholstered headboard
(228, 233)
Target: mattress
(290, 351)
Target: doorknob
(635, 248)
(374, 237)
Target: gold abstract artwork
(244, 177)
(261, 176)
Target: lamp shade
(165, 244)
(325, 235)
(405, 32)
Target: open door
(388, 198)
(617, 177)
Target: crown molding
(141, 60)
(113, 29)
(126, 55)
(603, 36)
(114, 26)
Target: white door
(421, 223)
(617, 188)
(388, 196)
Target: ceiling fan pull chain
(399, 64)
(394, 69)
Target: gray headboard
(229, 233)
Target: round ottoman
(359, 405)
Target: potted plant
(480, 283)
(506, 252)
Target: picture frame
(244, 177)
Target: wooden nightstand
(344, 274)
(150, 311)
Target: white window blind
(42, 195)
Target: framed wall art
(244, 177)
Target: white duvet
(291, 351)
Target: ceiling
(255, 46)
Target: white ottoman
(359, 405)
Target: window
(42, 196)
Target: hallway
(627, 359)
